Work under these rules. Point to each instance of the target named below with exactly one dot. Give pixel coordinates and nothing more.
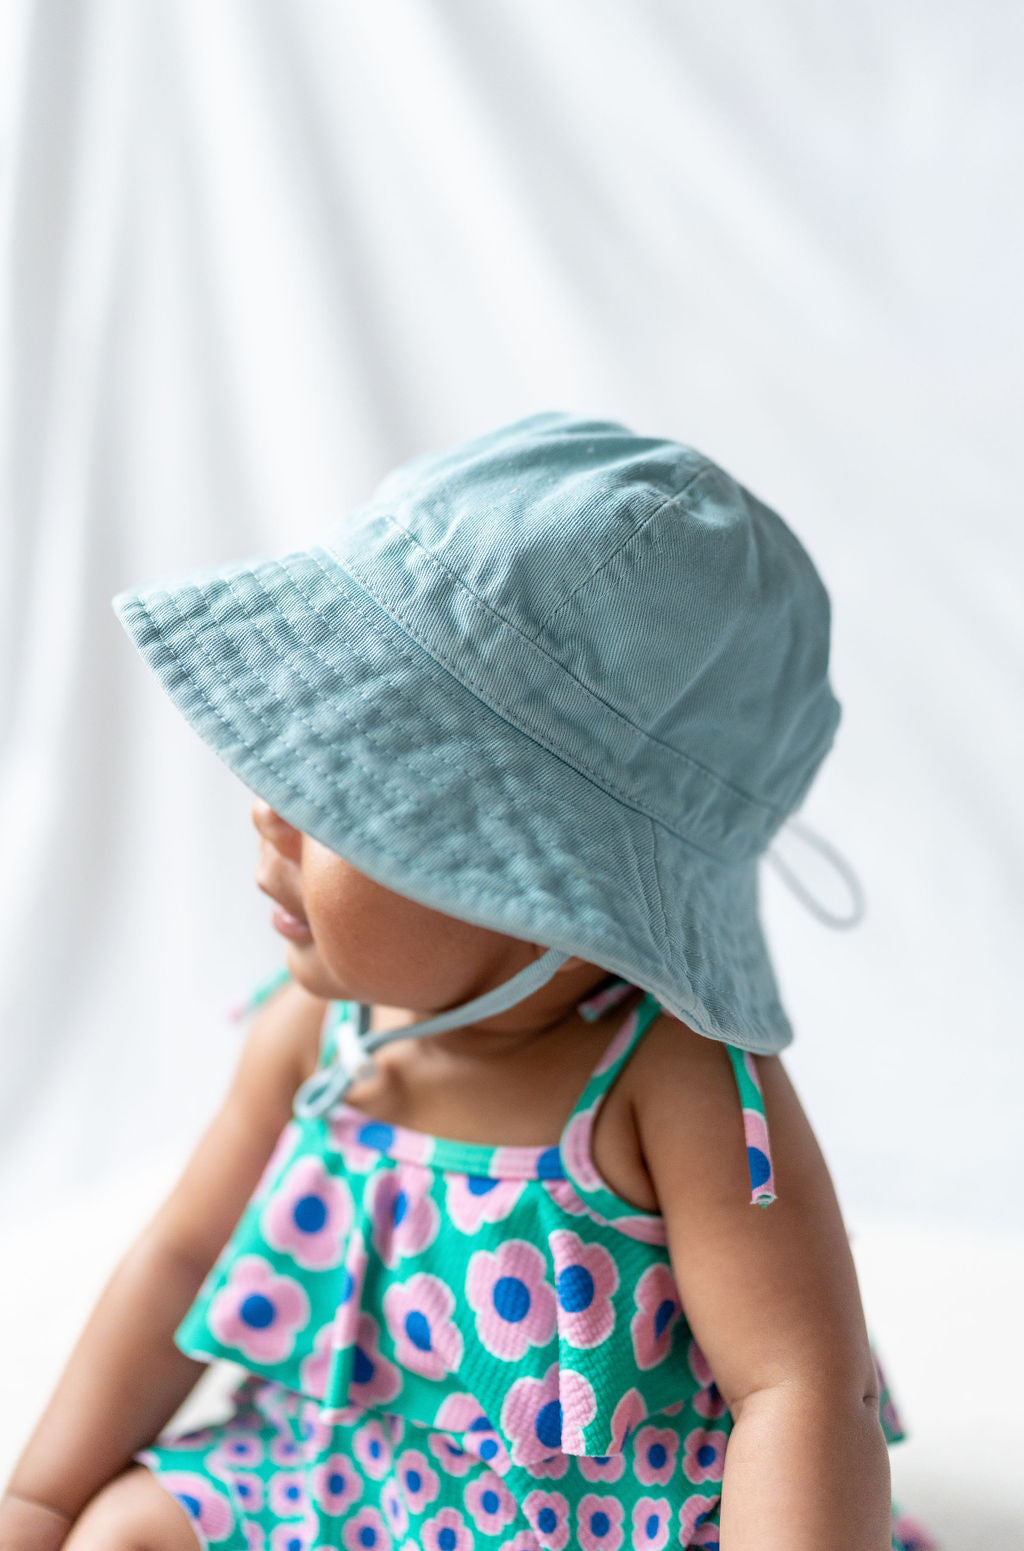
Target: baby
(474, 1218)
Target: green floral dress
(455, 1347)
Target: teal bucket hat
(561, 680)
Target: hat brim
(337, 717)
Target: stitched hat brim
(332, 713)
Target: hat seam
(358, 573)
(602, 783)
(668, 501)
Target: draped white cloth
(255, 252)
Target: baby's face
(351, 939)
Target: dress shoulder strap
(755, 1127)
(576, 1136)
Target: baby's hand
(30, 1526)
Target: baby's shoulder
(683, 1093)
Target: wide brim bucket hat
(561, 680)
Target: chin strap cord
(326, 1085)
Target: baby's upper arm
(280, 1049)
(770, 1293)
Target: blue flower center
(447, 1539)
(600, 1523)
(490, 1501)
(666, 1309)
(706, 1454)
(651, 1527)
(310, 1213)
(346, 1285)
(760, 1168)
(657, 1454)
(362, 1367)
(400, 1207)
(548, 1425)
(480, 1185)
(335, 1481)
(575, 1288)
(375, 1448)
(376, 1133)
(549, 1164)
(417, 1328)
(191, 1504)
(413, 1480)
(511, 1298)
(257, 1311)
(367, 1535)
(489, 1448)
(547, 1521)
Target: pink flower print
(599, 1523)
(210, 1511)
(249, 1488)
(707, 1534)
(472, 1199)
(344, 1126)
(651, 1519)
(417, 1482)
(239, 1448)
(548, 1512)
(405, 1217)
(543, 1416)
(258, 1312)
(658, 1308)
(626, 1418)
(284, 1450)
(517, 1163)
(912, 1535)
(366, 1532)
(453, 1459)
(551, 1468)
(704, 1454)
(649, 1230)
(708, 1402)
(601, 1467)
(461, 1414)
(286, 1495)
(292, 1535)
(699, 1366)
(447, 1531)
(315, 1432)
(374, 1380)
(308, 1215)
(282, 1147)
(579, 1162)
(490, 1503)
(759, 1157)
(695, 1511)
(335, 1485)
(255, 1537)
(514, 1305)
(396, 1515)
(419, 1313)
(654, 1455)
(372, 1449)
(585, 1278)
(484, 1444)
(564, 1195)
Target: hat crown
(675, 599)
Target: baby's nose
(274, 828)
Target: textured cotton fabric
(561, 680)
(453, 1346)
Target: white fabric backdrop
(255, 252)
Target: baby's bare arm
(772, 1297)
(125, 1378)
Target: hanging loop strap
(841, 865)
